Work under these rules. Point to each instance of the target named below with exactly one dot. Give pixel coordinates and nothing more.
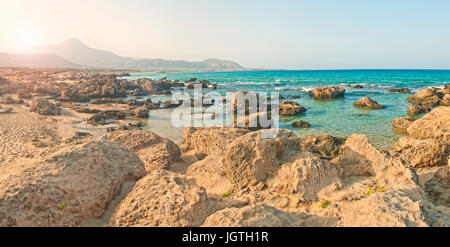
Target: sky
(319, 34)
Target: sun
(26, 35)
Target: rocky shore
(74, 153)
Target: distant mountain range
(74, 54)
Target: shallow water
(336, 117)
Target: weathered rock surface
(384, 210)
(366, 102)
(428, 97)
(402, 123)
(301, 124)
(250, 158)
(73, 184)
(400, 90)
(415, 109)
(43, 107)
(422, 153)
(155, 151)
(328, 92)
(291, 108)
(163, 199)
(258, 215)
(325, 145)
(255, 121)
(434, 125)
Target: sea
(335, 117)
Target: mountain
(35, 61)
(75, 51)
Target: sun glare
(26, 35)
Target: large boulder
(402, 123)
(446, 100)
(209, 140)
(434, 125)
(73, 184)
(301, 124)
(390, 209)
(428, 97)
(291, 108)
(43, 107)
(163, 199)
(366, 102)
(257, 215)
(324, 145)
(306, 176)
(255, 121)
(328, 92)
(155, 151)
(416, 109)
(422, 153)
(252, 158)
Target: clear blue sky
(321, 34)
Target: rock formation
(366, 102)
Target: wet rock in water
(294, 97)
(169, 104)
(155, 151)
(390, 209)
(191, 80)
(402, 123)
(163, 199)
(326, 146)
(87, 110)
(301, 124)
(358, 86)
(101, 117)
(205, 141)
(428, 97)
(291, 108)
(307, 175)
(422, 153)
(43, 107)
(252, 158)
(414, 109)
(203, 84)
(154, 87)
(73, 184)
(434, 125)
(366, 102)
(400, 90)
(141, 112)
(257, 215)
(328, 93)
(244, 103)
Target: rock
(250, 158)
(422, 153)
(5, 110)
(388, 209)
(402, 123)
(290, 108)
(163, 199)
(141, 112)
(294, 97)
(204, 84)
(434, 125)
(358, 86)
(400, 90)
(428, 98)
(191, 80)
(307, 176)
(328, 93)
(43, 107)
(101, 117)
(436, 182)
(257, 215)
(301, 124)
(23, 94)
(414, 109)
(324, 145)
(446, 100)
(87, 110)
(240, 103)
(366, 102)
(10, 101)
(155, 151)
(73, 184)
(210, 174)
(205, 141)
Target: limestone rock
(43, 107)
(73, 184)
(163, 199)
(155, 151)
(301, 124)
(402, 123)
(366, 102)
(325, 145)
(290, 108)
(328, 93)
(434, 125)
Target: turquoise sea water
(336, 117)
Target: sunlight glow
(26, 35)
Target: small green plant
(61, 206)
(373, 190)
(324, 204)
(228, 193)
